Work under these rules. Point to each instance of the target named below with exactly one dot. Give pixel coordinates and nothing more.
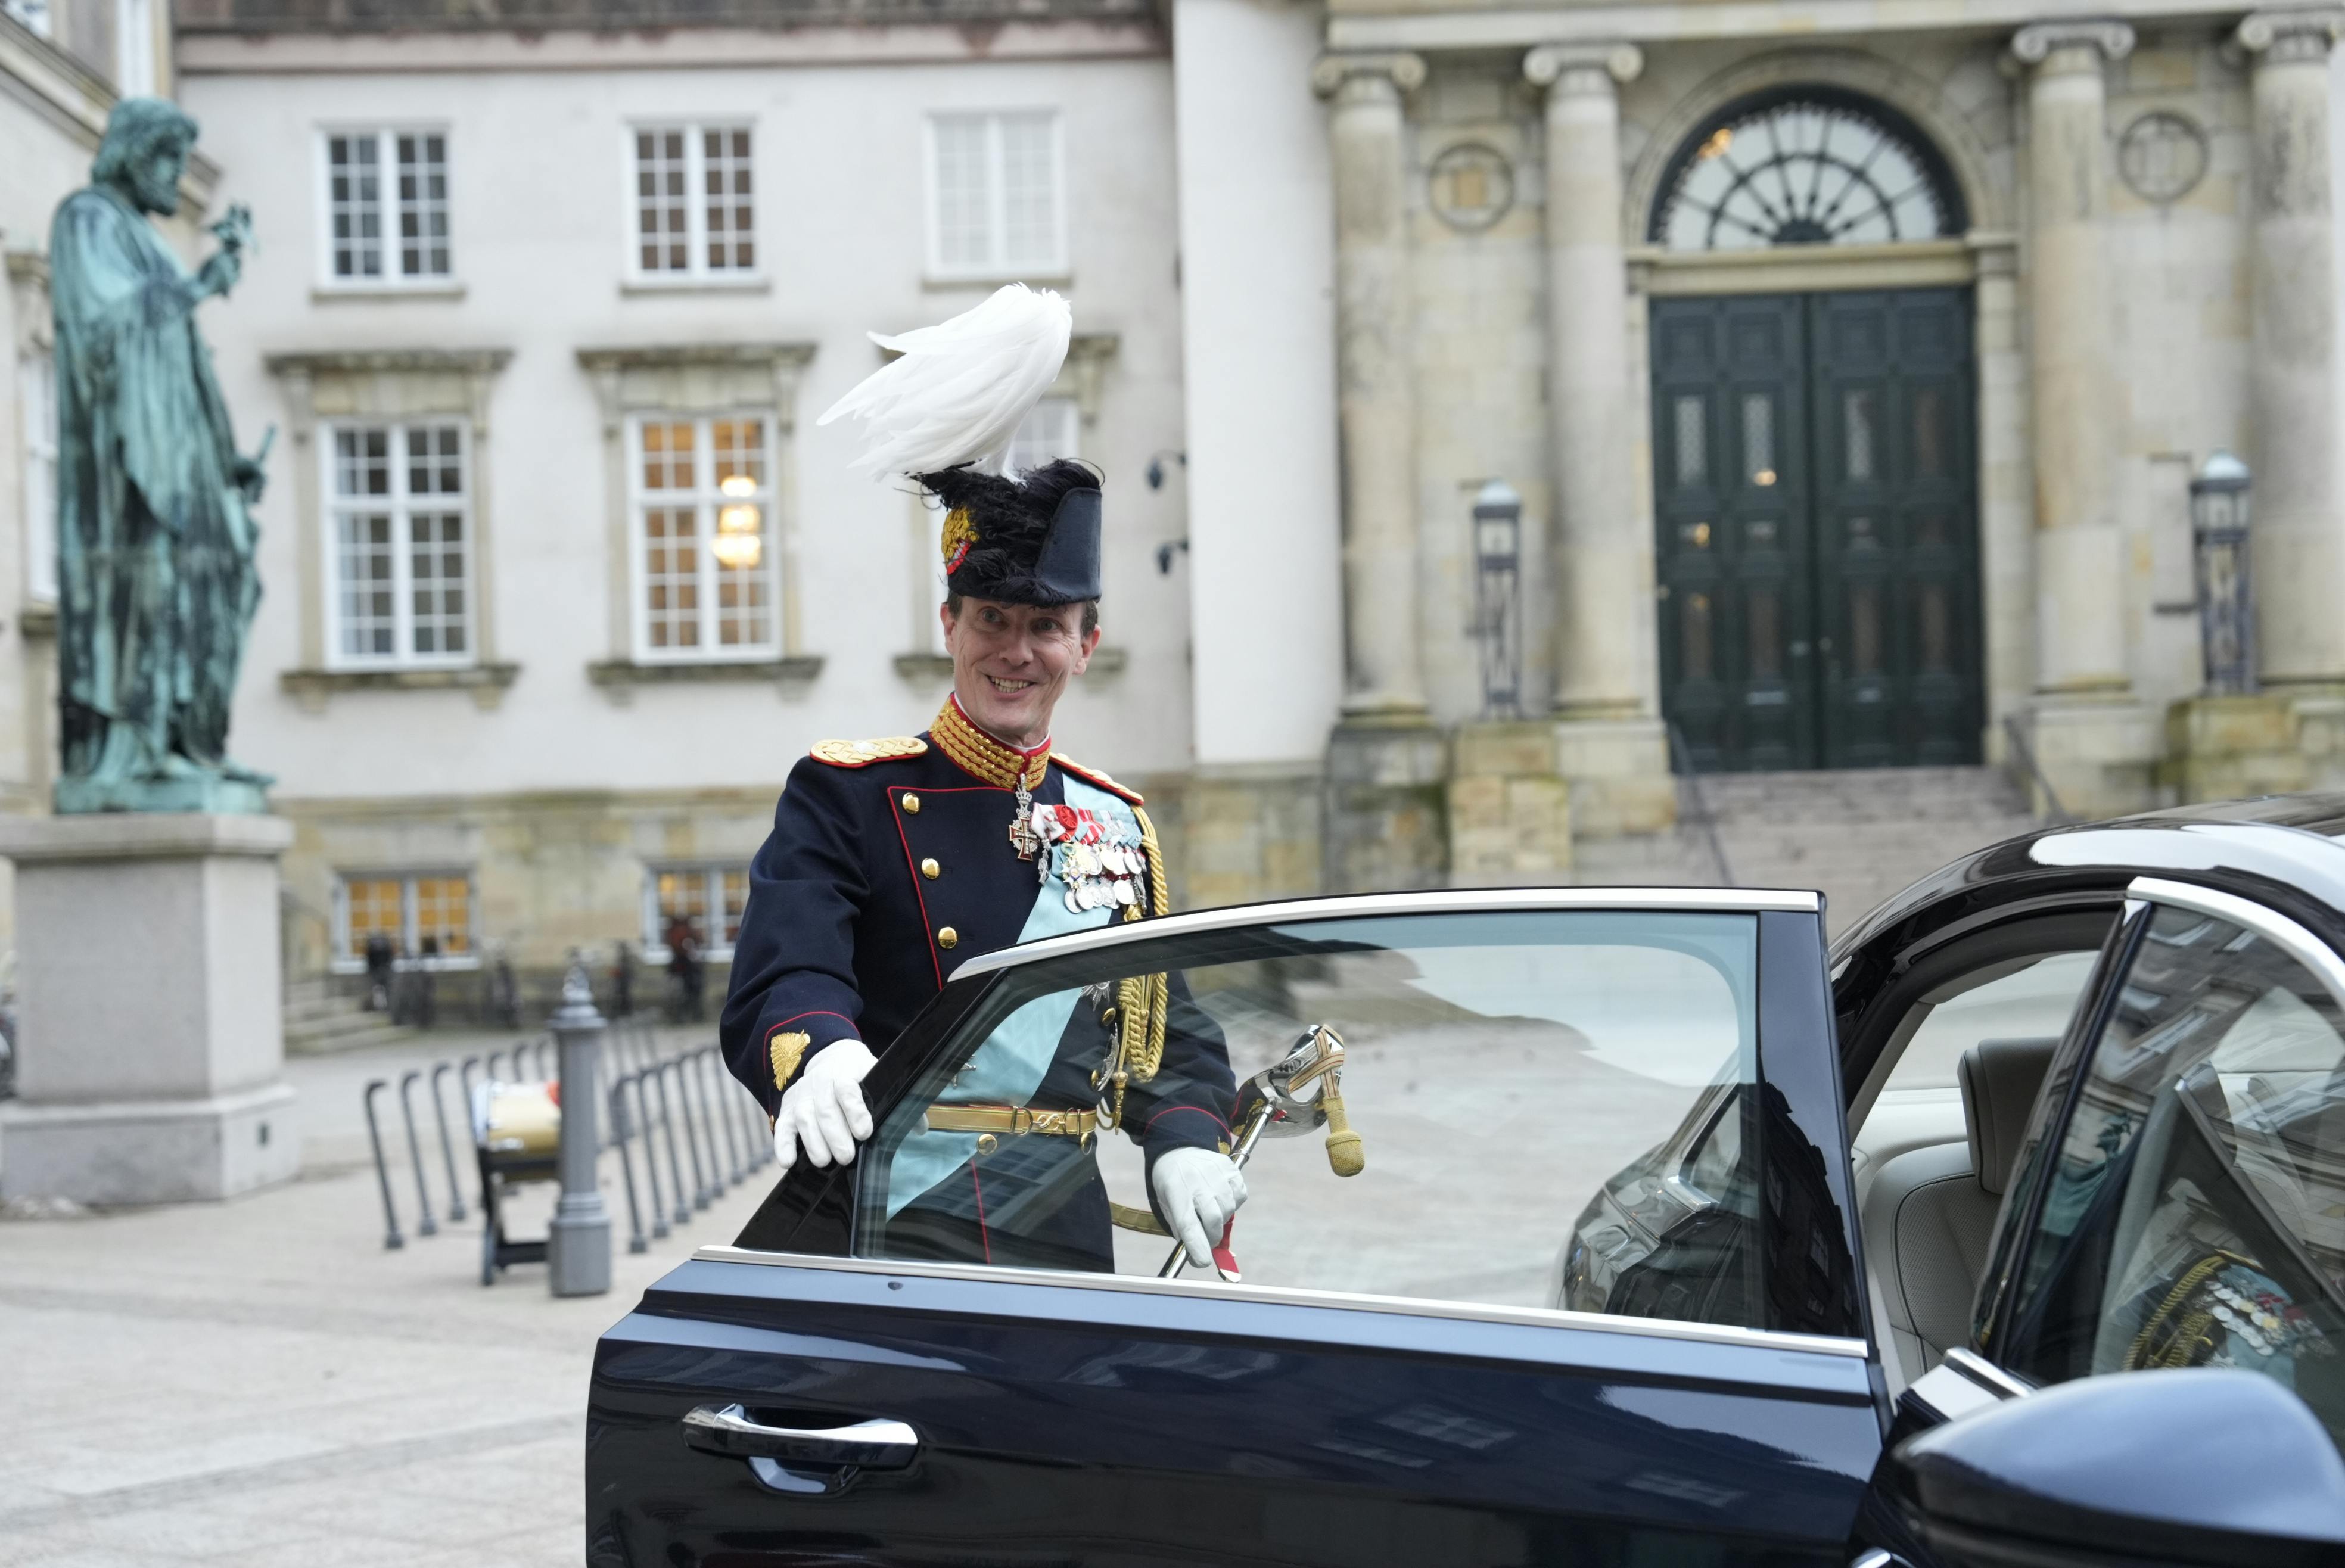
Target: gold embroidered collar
(982, 756)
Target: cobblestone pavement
(259, 1382)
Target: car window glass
(2194, 1213)
(2029, 999)
(1553, 1109)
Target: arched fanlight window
(1804, 165)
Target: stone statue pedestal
(150, 1040)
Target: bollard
(650, 1156)
(715, 1100)
(635, 1242)
(427, 1226)
(447, 1151)
(578, 1242)
(675, 1160)
(496, 1074)
(392, 1240)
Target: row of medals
(1099, 875)
(2264, 1330)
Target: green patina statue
(155, 575)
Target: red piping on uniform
(1194, 1109)
(894, 798)
(814, 1013)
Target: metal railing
(681, 1107)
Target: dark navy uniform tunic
(890, 862)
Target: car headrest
(2000, 1079)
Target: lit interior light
(1763, 477)
(737, 520)
(1720, 140)
(739, 484)
(738, 551)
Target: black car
(2073, 1106)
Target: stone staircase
(320, 1019)
(1857, 835)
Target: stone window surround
(697, 380)
(696, 275)
(390, 385)
(1080, 380)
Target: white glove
(1199, 1192)
(823, 1111)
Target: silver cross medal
(1022, 836)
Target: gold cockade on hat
(959, 535)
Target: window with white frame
(37, 380)
(387, 207)
(711, 899)
(425, 913)
(706, 576)
(399, 545)
(996, 197)
(33, 13)
(695, 202)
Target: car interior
(1937, 1123)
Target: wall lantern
(2227, 598)
(1497, 596)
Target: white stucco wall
(539, 227)
(1257, 258)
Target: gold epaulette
(1092, 776)
(863, 753)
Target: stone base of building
(150, 1040)
(1619, 774)
(2225, 748)
(1509, 814)
(1387, 788)
(2101, 758)
(149, 1151)
(1237, 835)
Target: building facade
(1488, 395)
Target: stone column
(1603, 560)
(2079, 553)
(1375, 396)
(2086, 732)
(2299, 539)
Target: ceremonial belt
(1013, 1121)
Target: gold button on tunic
(948, 938)
(912, 805)
(931, 870)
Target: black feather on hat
(1032, 538)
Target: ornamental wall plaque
(2162, 156)
(1473, 186)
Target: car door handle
(873, 1444)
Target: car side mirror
(2206, 1467)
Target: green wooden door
(1814, 495)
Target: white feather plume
(963, 387)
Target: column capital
(2033, 46)
(1550, 65)
(2281, 36)
(1402, 71)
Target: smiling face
(1011, 661)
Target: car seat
(1930, 1212)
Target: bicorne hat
(943, 414)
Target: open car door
(960, 1349)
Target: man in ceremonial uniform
(893, 860)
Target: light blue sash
(1011, 1065)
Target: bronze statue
(157, 579)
